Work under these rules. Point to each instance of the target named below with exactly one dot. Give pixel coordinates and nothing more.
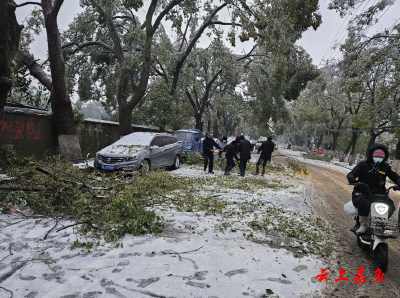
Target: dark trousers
(207, 159)
(363, 203)
(230, 164)
(242, 166)
(263, 162)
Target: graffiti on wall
(21, 130)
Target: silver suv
(140, 150)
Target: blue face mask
(377, 159)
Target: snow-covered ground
(334, 164)
(200, 254)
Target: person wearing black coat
(231, 153)
(245, 149)
(208, 152)
(373, 172)
(266, 150)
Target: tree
(119, 34)
(9, 40)
(61, 106)
(372, 71)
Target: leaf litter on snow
(224, 236)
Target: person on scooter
(373, 172)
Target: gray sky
(317, 43)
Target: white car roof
(136, 138)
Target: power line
(341, 39)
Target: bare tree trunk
(199, 124)
(346, 151)
(371, 141)
(68, 141)
(396, 161)
(9, 40)
(125, 119)
(321, 137)
(215, 128)
(334, 144)
(354, 139)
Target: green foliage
(127, 214)
(107, 214)
(317, 157)
(8, 155)
(79, 117)
(194, 158)
(309, 16)
(132, 4)
(297, 166)
(297, 231)
(16, 198)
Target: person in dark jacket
(208, 152)
(231, 153)
(266, 150)
(245, 149)
(373, 172)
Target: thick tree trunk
(396, 161)
(68, 141)
(346, 151)
(321, 137)
(334, 144)
(371, 141)
(354, 139)
(125, 119)
(215, 128)
(199, 124)
(9, 39)
(209, 125)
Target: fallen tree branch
(12, 271)
(8, 255)
(75, 224)
(48, 232)
(171, 252)
(12, 294)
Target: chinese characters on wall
(21, 130)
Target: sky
(317, 43)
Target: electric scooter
(380, 228)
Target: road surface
(330, 192)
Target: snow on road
(334, 164)
(198, 255)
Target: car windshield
(183, 137)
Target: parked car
(190, 139)
(140, 150)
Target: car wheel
(145, 166)
(177, 163)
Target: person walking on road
(208, 152)
(245, 149)
(231, 153)
(266, 150)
